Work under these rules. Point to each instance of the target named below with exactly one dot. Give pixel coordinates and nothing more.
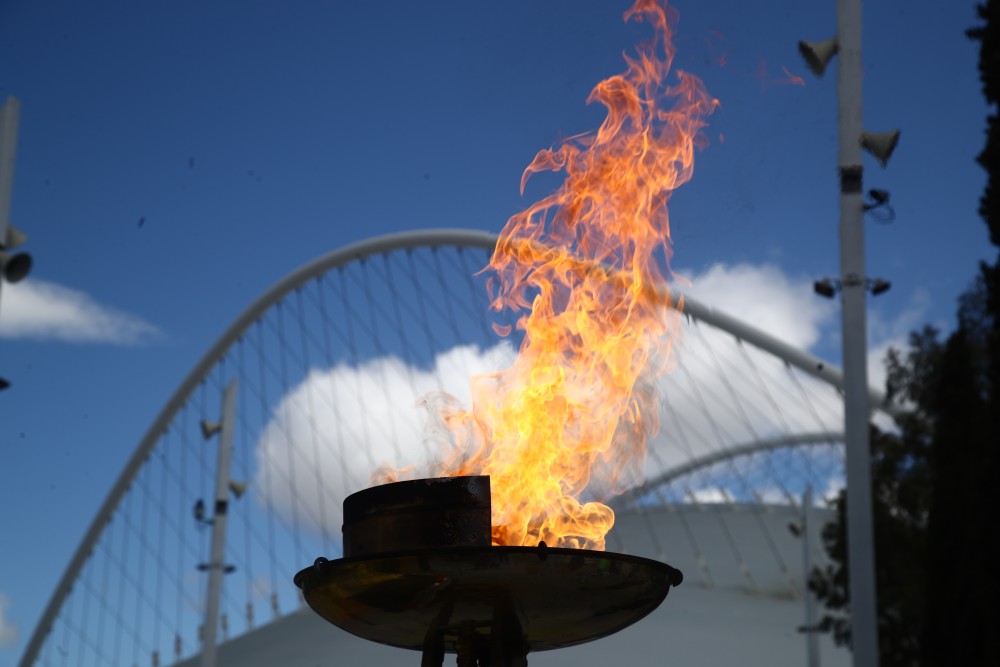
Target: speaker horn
(15, 267)
(880, 145)
(238, 489)
(208, 429)
(818, 54)
(13, 238)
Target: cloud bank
(36, 309)
(894, 333)
(786, 307)
(766, 298)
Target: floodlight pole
(217, 561)
(9, 115)
(860, 532)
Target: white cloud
(8, 631)
(832, 491)
(331, 432)
(710, 496)
(786, 307)
(766, 298)
(773, 496)
(42, 310)
(723, 394)
(892, 333)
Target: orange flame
(792, 79)
(566, 425)
(766, 83)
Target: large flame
(566, 425)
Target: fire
(792, 79)
(566, 425)
(767, 83)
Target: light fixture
(818, 54)
(877, 204)
(14, 267)
(879, 286)
(880, 145)
(826, 287)
(13, 238)
(205, 567)
(208, 429)
(878, 197)
(199, 512)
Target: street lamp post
(853, 286)
(13, 266)
(860, 532)
(216, 565)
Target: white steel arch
(694, 310)
(734, 451)
(280, 289)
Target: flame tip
(583, 270)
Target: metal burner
(423, 513)
(490, 605)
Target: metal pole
(9, 116)
(217, 562)
(811, 631)
(860, 546)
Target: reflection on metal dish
(486, 601)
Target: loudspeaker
(14, 238)
(15, 267)
(238, 488)
(878, 286)
(208, 429)
(880, 145)
(818, 55)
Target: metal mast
(217, 564)
(9, 115)
(860, 533)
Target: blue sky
(250, 137)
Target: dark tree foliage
(901, 503)
(935, 478)
(963, 589)
(988, 36)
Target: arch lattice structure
(329, 363)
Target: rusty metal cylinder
(418, 514)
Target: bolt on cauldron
(419, 572)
